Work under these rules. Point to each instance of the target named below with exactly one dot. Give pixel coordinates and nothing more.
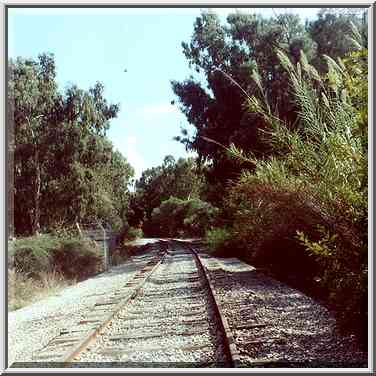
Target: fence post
(105, 249)
(79, 229)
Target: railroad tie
(118, 351)
(156, 335)
(249, 326)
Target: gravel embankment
(278, 326)
(32, 327)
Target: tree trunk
(35, 226)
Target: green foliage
(310, 197)
(180, 179)
(326, 153)
(199, 217)
(65, 169)
(126, 234)
(182, 218)
(134, 233)
(74, 258)
(239, 60)
(343, 274)
(264, 219)
(218, 239)
(327, 28)
(282, 128)
(33, 254)
(167, 219)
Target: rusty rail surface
(78, 341)
(229, 341)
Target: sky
(93, 45)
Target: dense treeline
(281, 137)
(168, 200)
(227, 55)
(65, 169)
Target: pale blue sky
(98, 44)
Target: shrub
(76, 258)
(218, 240)
(343, 274)
(183, 218)
(200, 217)
(128, 233)
(32, 255)
(264, 224)
(134, 233)
(72, 257)
(168, 218)
(303, 211)
(326, 158)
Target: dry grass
(23, 290)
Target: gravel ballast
(275, 325)
(169, 322)
(32, 327)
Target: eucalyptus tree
(174, 178)
(64, 165)
(32, 96)
(227, 55)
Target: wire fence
(103, 235)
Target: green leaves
(64, 165)
(183, 218)
(240, 63)
(180, 179)
(313, 190)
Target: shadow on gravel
(272, 364)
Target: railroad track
(167, 315)
(247, 335)
(272, 325)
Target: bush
(32, 255)
(303, 211)
(182, 218)
(327, 159)
(200, 217)
(219, 240)
(343, 274)
(134, 233)
(128, 233)
(76, 258)
(264, 224)
(72, 257)
(168, 218)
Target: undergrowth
(23, 290)
(40, 265)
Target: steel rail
(80, 345)
(70, 355)
(229, 341)
(65, 357)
